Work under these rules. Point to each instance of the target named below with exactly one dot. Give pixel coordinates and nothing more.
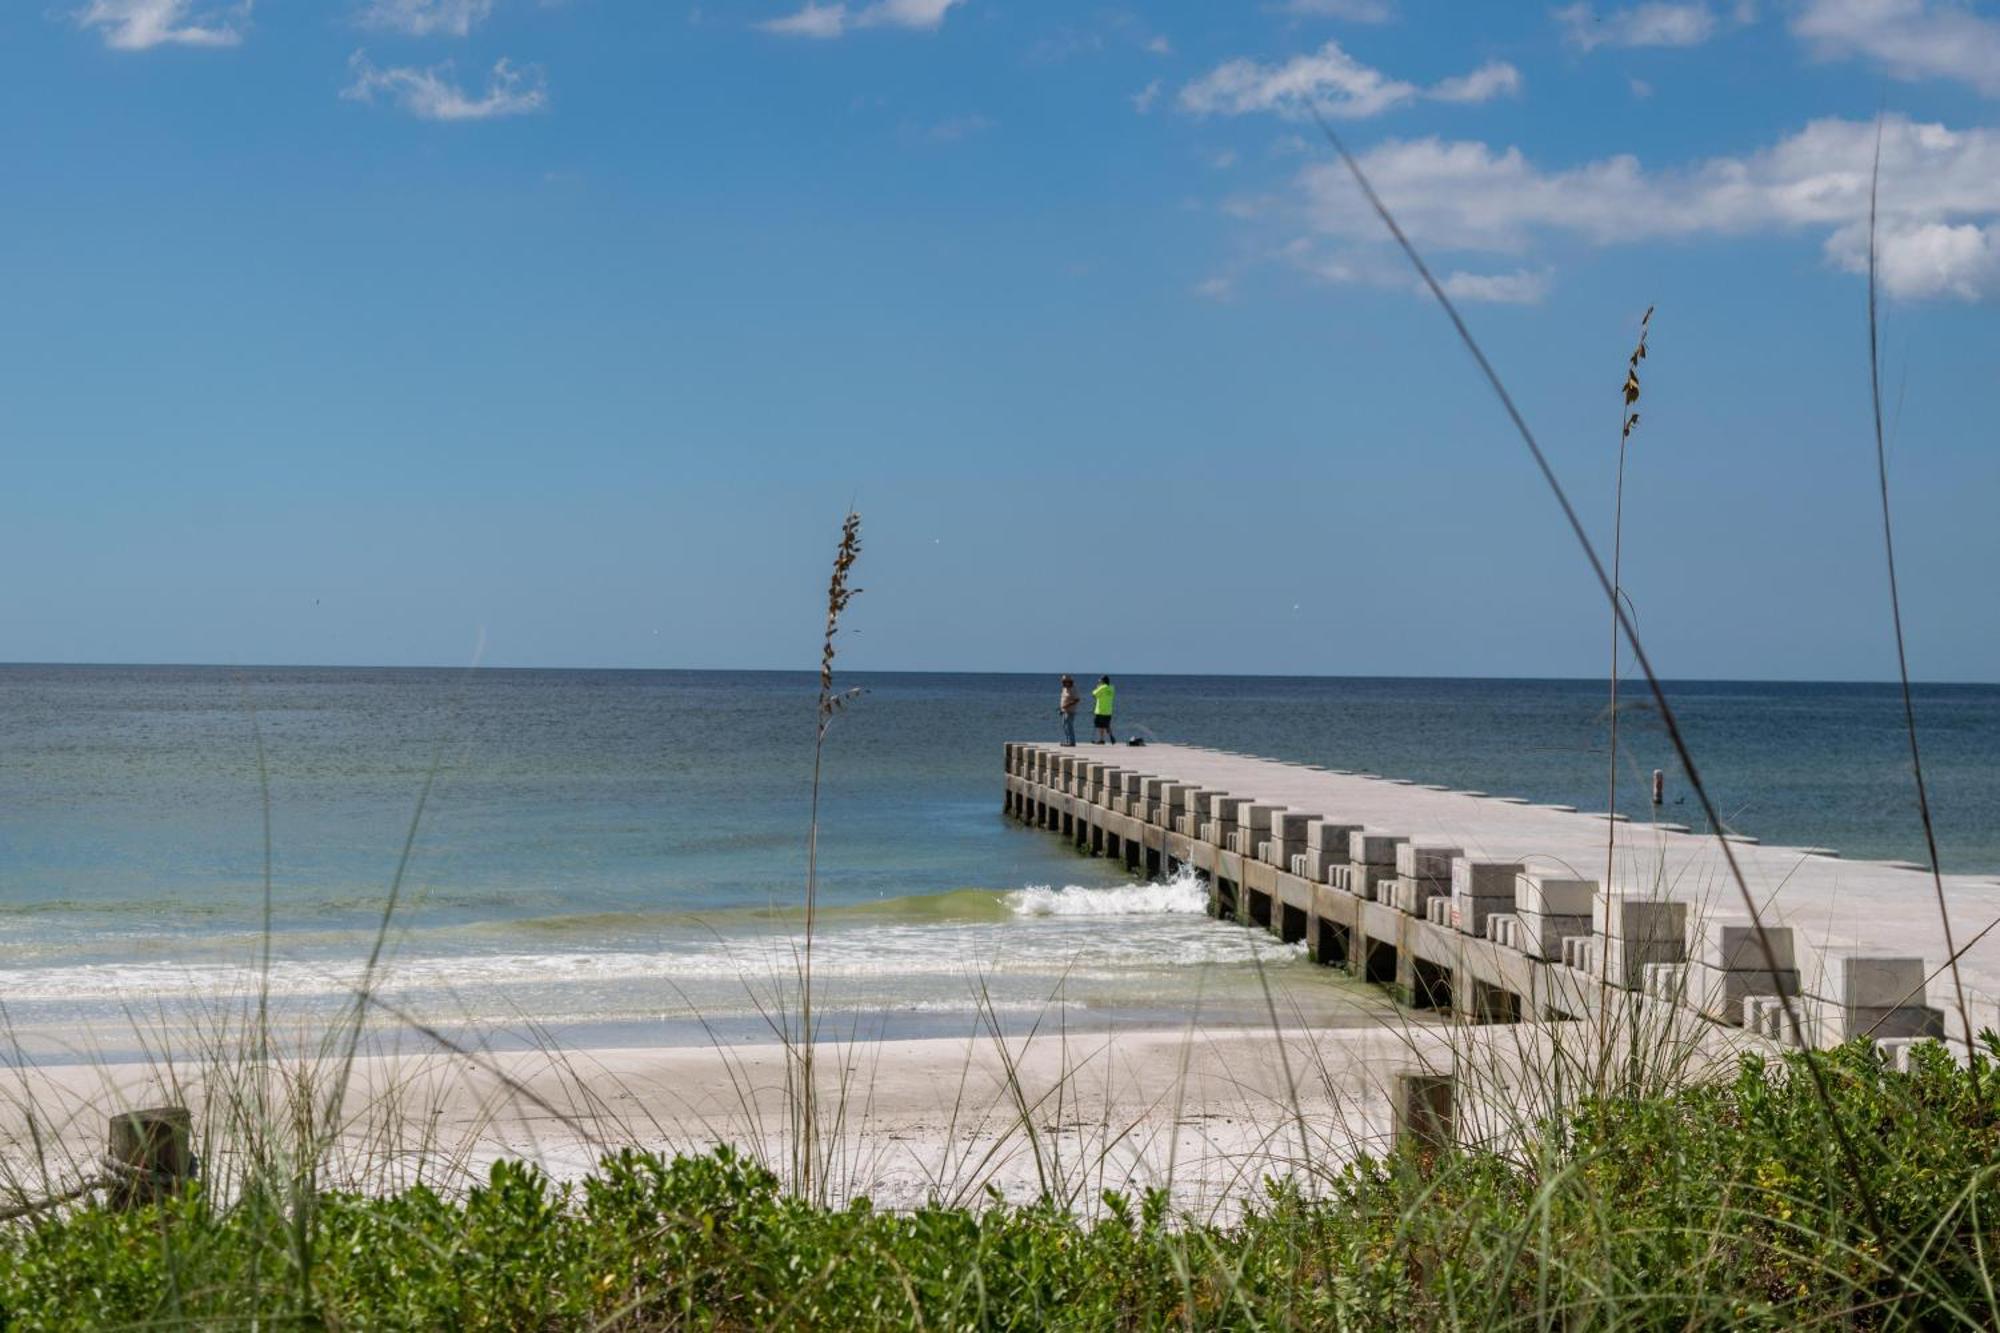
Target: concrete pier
(1497, 909)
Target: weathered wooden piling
(1422, 1112)
(150, 1154)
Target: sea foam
(1183, 895)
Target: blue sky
(373, 332)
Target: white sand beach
(1207, 1115)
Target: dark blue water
(588, 832)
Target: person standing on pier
(1101, 700)
(1067, 709)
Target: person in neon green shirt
(1101, 700)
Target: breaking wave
(1183, 895)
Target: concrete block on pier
(1253, 826)
(1330, 835)
(1423, 872)
(1413, 895)
(1484, 879)
(1665, 982)
(1288, 836)
(1542, 934)
(1478, 890)
(1719, 993)
(1326, 847)
(1729, 967)
(1909, 1020)
(1193, 811)
(1374, 848)
(1765, 1016)
(1896, 1053)
(1620, 962)
(1858, 980)
(1853, 993)
(1469, 915)
(1549, 909)
(1624, 961)
(1417, 860)
(1554, 894)
(1438, 911)
(1641, 919)
(1219, 818)
(1732, 946)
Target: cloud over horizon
(433, 94)
(1911, 39)
(1335, 82)
(1659, 23)
(140, 25)
(824, 22)
(424, 18)
(1939, 230)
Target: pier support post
(1377, 960)
(1327, 941)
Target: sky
(563, 333)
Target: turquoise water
(612, 853)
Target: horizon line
(809, 671)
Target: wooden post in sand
(1422, 1112)
(150, 1154)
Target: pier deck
(1500, 909)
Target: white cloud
(1142, 101)
(1354, 11)
(1335, 82)
(828, 21)
(1656, 24)
(1216, 289)
(433, 94)
(423, 18)
(1159, 45)
(905, 13)
(137, 25)
(1917, 260)
(1339, 83)
(1521, 287)
(1940, 200)
(1912, 39)
(812, 21)
(958, 127)
(1495, 78)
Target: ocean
(617, 857)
